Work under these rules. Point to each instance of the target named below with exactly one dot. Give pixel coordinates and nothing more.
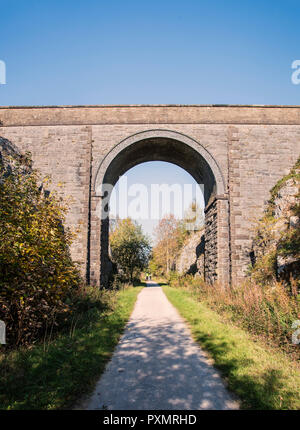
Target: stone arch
(179, 149)
(148, 141)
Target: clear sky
(159, 51)
(72, 52)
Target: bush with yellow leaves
(37, 273)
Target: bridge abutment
(216, 256)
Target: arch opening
(172, 147)
(153, 190)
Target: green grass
(55, 375)
(261, 378)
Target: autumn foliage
(130, 248)
(36, 270)
(169, 235)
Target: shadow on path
(157, 365)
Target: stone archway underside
(166, 145)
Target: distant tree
(171, 235)
(193, 219)
(169, 238)
(153, 267)
(130, 248)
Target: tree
(169, 239)
(36, 270)
(130, 248)
(171, 235)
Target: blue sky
(64, 52)
(118, 52)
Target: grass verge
(56, 374)
(260, 378)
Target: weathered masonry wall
(216, 257)
(253, 147)
(64, 153)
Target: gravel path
(157, 365)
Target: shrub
(268, 311)
(36, 270)
(265, 268)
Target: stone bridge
(237, 152)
